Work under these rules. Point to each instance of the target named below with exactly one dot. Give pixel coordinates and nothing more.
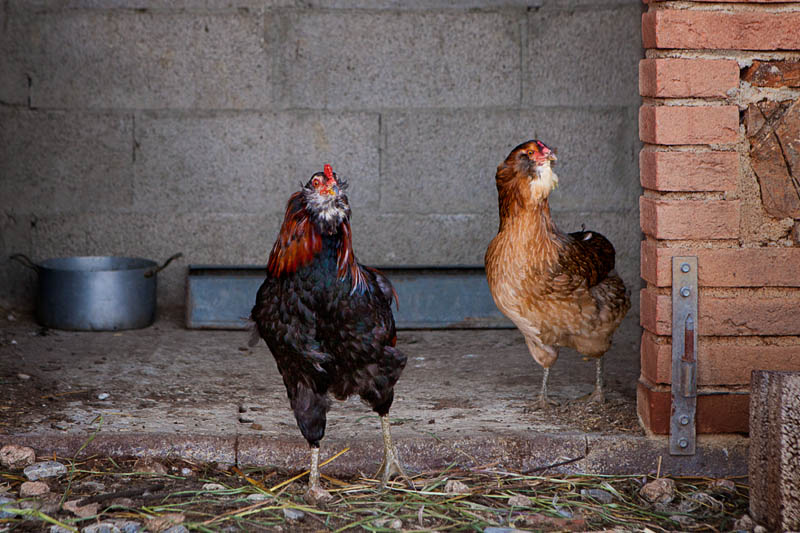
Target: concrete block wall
(148, 127)
(716, 82)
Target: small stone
(44, 469)
(213, 486)
(745, 523)
(519, 500)
(257, 497)
(659, 491)
(699, 500)
(396, 524)
(246, 419)
(187, 472)
(453, 486)
(92, 486)
(33, 488)
(150, 466)
(11, 317)
(103, 396)
(23, 377)
(601, 496)
(164, 522)
(102, 527)
(293, 515)
(177, 529)
(15, 457)
(81, 511)
(129, 526)
(759, 529)
(59, 529)
(46, 503)
(5, 502)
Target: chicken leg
(545, 402)
(390, 466)
(598, 395)
(315, 493)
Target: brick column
(722, 142)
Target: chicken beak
(552, 157)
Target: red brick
(726, 267)
(689, 219)
(688, 124)
(689, 171)
(716, 413)
(675, 78)
(718, 364)
(691, 29)
(737, 315)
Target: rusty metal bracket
(682, 428)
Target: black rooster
(327, 319)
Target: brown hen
(559, 289)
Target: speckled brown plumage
(559, 289)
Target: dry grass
(495, 498)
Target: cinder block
(582, 56)
(373, 59)
(742, 314)
(55, 161)
(203, 237)
(726, 267)
(689, 171)
(150, 60)
(431, 166)
(719, 362)
(695, 29)
(150, 4)
(688, 124)
(13, 78)
(250, 162)
(774, 463)
(674, 78)
(689, 219)
(419, 4)
(716, 413)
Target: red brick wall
(720, 167)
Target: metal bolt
(683, 443)
(684, 420)
(685, 267)
(685, 292)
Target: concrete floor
(466, 396)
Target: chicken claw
(390, 466)
(315, 493)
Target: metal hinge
(682, 433)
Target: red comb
(328, 171)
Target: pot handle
(153, 272)
(24, 260)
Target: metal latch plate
(682, 435)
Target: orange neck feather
(299, 241)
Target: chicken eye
(530, 153)
(315, 182)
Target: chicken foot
(315, 493)
(390, 466)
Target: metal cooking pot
(95, 293)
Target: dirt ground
(166, 378)
(466, 396)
